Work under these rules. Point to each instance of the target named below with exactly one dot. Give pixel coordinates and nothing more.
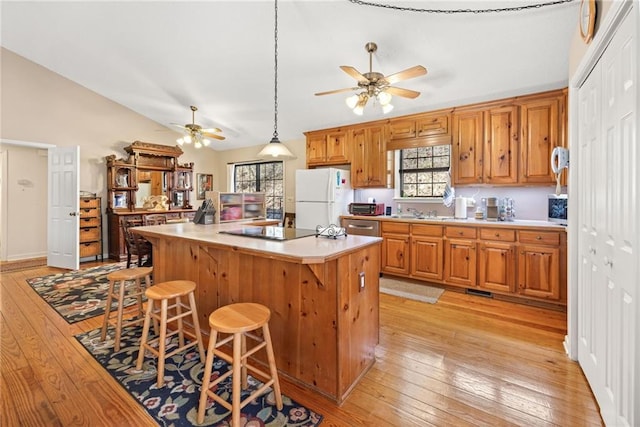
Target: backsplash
(529, 202)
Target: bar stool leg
(206, 376)
(107, 311)
(196, 324)
(272, 365)
(179, 314)
(237, 371)
(120, 312)
(162, 342)
(145, 334)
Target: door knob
(74, 213)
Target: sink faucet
(416, 213)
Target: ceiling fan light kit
(275, 149)
(195, 134)
(375, 86)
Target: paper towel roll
(460, 208)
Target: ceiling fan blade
(409, 73)
(354, 73)
(182, 127)
(211, 130)
(405, 93)
(213, 135)
(337, 91)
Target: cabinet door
(500, 145)
(369, 157)
(539, 271)
(460, 262)
(316, 149)
(496, 267)
(427, 257)
(337, 151)
(395, 254)
(467, 147)
(540, 134)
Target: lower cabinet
(395, 248)
(526, 263)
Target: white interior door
(63, 234)
(608, 229)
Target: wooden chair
(155, 219)
(136, 245)
(238, 320)
(165, 299)
(119, 290)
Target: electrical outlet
(361, 281)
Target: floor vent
(480, 293)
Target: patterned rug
(176, 403)
(80, 294)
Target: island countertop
(304, 250)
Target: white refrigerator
(322, 196)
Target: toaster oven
(368, 209)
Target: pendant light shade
(275, 149)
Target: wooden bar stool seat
(239, 320)
(119, 291)
(158, 299)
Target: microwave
(557, 208)
(368, 209)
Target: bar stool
(161, 294)
(238, 320)
(118, 279)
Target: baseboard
(22, 264)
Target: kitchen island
(322, 293)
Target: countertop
(304, 250)
(517, 223)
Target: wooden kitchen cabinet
(369, 157)
(327, 148)
(427, 254)
(460, 256)
(499, 157)
(539, 271)
(496, 260)
(420, 129)
(395, 248)
(468, 141)
(541, 130)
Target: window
(424, 171)
(264, 178)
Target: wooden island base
(324, 315)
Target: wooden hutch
(149, 170)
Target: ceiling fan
(196, 134)
(376, 85)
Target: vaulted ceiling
(158, 58)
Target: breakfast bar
(322, 292)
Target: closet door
(608, 230)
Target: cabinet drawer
(90, 249)
(457, 232)
(426, 230)
(395, 227)
(89, 234)
(172, 215)
(89, 212)
(539, 237)
(89, 203)
(89, 222)
(498, 234)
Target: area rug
(176, 403)
(410, 290)
(80, 294)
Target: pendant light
(275, 149)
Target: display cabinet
(237, 206)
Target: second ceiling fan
(376, 85)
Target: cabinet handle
(497, 234)
(538, 237)
(460, 233)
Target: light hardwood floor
(465, 361)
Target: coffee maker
(493, 209)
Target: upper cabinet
(327, 147)
(468, 143)
(369, 157)
(500, 145)
(419, 129)
(542, 124)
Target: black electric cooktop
(271, 232)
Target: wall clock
(587, 19)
